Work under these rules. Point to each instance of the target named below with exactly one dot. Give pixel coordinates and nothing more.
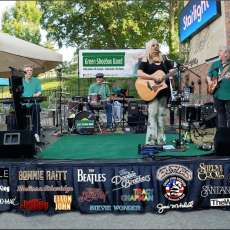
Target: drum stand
(97, 119)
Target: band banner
(155, 187)
(113, 63)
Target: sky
(67, 52)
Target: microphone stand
(59, 75)
(179, 142)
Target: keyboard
(24, 100)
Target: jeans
(156, 122)
(223, 113)
(34, 112)
(108, 110)
(109, 114)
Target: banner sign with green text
(113, 63)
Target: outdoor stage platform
(105, 173)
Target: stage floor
(109, 147)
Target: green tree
(23, 21)
(174, 9)
(105, 23)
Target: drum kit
(81, 118)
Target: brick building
(203, 43)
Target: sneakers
(37, 138)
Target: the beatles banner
(113, 63)
(157, 186)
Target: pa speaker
(17, 144)
(221, 141)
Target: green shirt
(31, 87)
(223, 90)
(101, 89)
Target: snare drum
(95, 101)
(94, 98)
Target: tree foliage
(23, 21)
(105, 23)
(175, 6)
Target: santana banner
(113, 63)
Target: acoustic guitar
(148, 89)
(213, 86)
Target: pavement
(200, 219)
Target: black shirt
(165, 66)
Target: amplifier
(17, 144)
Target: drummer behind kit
(82, 120)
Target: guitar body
(212, 87)
(215, 82)
(148, 89)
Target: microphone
(12, 68)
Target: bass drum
(84, 123)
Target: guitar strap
(163, 63)
(224, 70)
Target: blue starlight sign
(195, 15)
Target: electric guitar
(213, 86)
(148, 89)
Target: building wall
(206, 43)
(203, 46)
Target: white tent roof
(16, 52)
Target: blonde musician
(218, 80)
(152, 62)
(32, 88)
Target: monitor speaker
(221, 142)
(17, 144)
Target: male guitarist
(152, 64)
(218, 80)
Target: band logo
(125, 179)
(4, 173)
(175, 170)
(91, 176)
(220, 202)
(8, 201)
(92, 194)
(4, 188)
(214, 190)
(139, 194)
(206, 172)
(174, 178)
(62, 202)
(161, 208)
(124, 208)
(55, 175)
(34, 205)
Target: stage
(104, 173)
(114, 146)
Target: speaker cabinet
(222, 142)
(17, 144)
